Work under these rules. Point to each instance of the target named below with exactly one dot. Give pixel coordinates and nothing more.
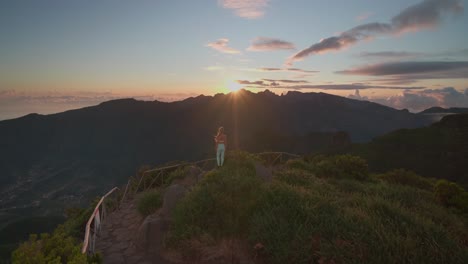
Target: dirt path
(117, 239)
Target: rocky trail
(128, 238)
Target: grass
(149, 202)
(309, 214)
(405, 177)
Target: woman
(221, 144)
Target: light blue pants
(220, 154)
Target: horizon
(195, 96)
(67, 55)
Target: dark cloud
(286, 81)
(414, 69)
(245, 82)
(390, 54)
(270, 44)
(426, 14)
(353, 86)
(284, 70)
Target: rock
(172, 195)
(263, 172)
(150, 235)
(115, 258)
(191, 178)
(194, 171)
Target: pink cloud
(269, 44)
(221, 45)
(250, 9)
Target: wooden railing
(145, 182)
(150, 178)
(273, 158)
(93, 226)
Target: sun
(234, 86)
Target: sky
(57, 55)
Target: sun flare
(234, 86)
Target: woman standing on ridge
(221, 144)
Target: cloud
(357, 96)
(245, 82)
(250, 9)
(406, 55)
(414, 70)
(285, 81)
(269, 44)
(390, 54)
(426, 14)
(420, 100)
(221, 45)
(267, 69)
(285, 84)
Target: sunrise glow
(234, 86)
(403, 54)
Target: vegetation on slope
(439, 150)
(326, 210)
(320, 209)
(63, 245)
(149, 202)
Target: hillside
(441, 110)
(316, 210)
(439, 150)
(65, 159)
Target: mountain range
(48, 162)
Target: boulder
(172, 195)
(194, 171)
(191, 178)
(150, 234)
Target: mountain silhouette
(51, 161)
(441, 110)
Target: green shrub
(388, 224)
(236, 159)
(341, 166)
(299, 164)
(149, 202)
(49, 249)
(179, 173)
(221, 204)
(451, 194)
(295, 177)
(404, 177)
(299, 218)
(281, 223)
